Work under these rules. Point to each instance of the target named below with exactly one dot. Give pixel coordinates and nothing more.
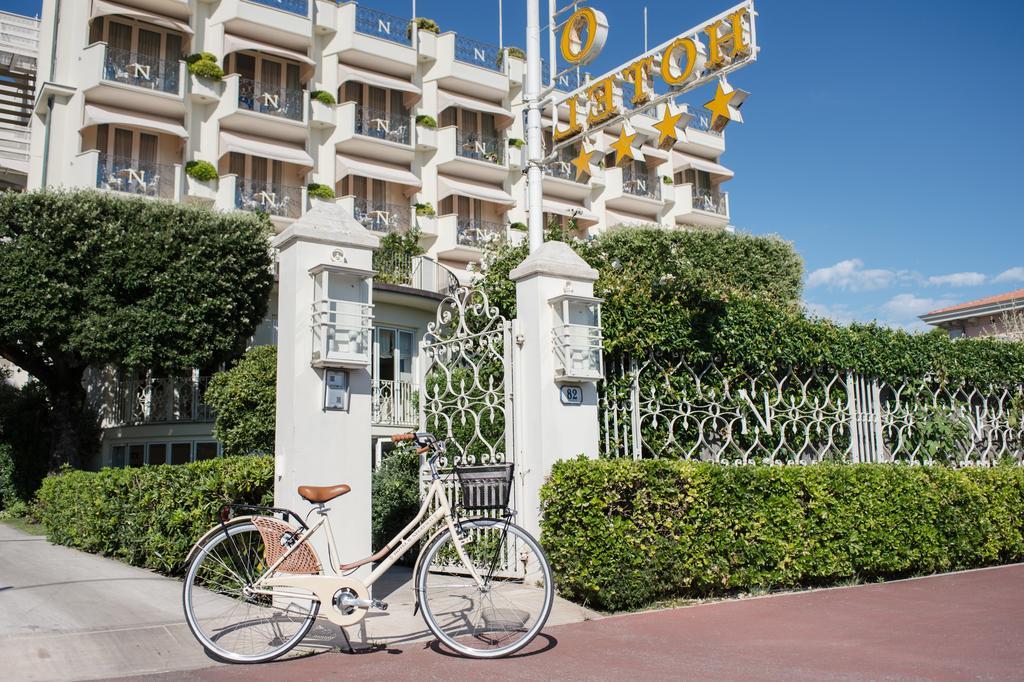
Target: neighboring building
(119, 111)
(19, 45)
(992, 316)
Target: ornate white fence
(663, 407)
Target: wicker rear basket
(278, 537)
(485, 487)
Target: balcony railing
(701, 120)
(134, 176)
(480, 54)
(383, 125)
(561, 167)
(382, 217)
(711, 201)
(272, 198)
(641, 185)
(478, 233)
(480, 147)
(342, 332)
(567, 82)
(300, 7)
(393, 403)
(142, 71)
(161, 401)
(416, 272)
(266, 98)
(380, 25)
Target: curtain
(378, 100)
(119, 37)
(123, 143)
(148, 151)
(236, 165)
(259, 173)
(149, 46)
(380, 194)
(172, 51)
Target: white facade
(19, 45)
(122, 113)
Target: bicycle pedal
(378, 604)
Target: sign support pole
(534, 140)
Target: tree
(90, 279)
(245, 401)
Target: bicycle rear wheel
(232, 622)
(509, 610)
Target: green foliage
(426, 121)
(519, 227)
(244, 399)
(324, 97)
(513, 51)
(149, 516)
(204, 65)
(318, 191)
(8, 491)
(423, 24)
(425, 210)
(25, 433)
(516, 142)
(621, 534)
(396, 495)
(203, 171)
(393, 258)
(666, 180)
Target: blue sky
(881, 138)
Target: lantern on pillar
(578, 344)
(342, 316)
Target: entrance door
(392, 372)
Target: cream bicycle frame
(325, 587)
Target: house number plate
(572, 395)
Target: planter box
(203, 90)
(321, 115)
(426, 138)
(427, 225)
(200, 192)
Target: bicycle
(254, 584)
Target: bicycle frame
(326, 587)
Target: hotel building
(421, 118)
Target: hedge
(244, 401)
(149, 516)
(622, 534)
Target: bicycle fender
(210, 533)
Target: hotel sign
(693, 58)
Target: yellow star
(582, 161)
(668, 128)
(623, 147)
(725, 106)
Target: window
(393, 354)
(464, 207)
(257, 170)
(274, 74)
(701, 180)
(145, 40)
(177, 452)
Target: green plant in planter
(324, 97)
(666, 180)
(318, 191)
(516, 142)
(204, 65)
(425, 210)
(518, 226)
(426, 121)
(424, 24)
(513, 51)
(203, 171)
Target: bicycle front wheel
(232, 621)
(511, 607)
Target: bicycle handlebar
(426, 442)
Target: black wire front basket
(485, 487)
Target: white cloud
(851, 275)
(957, 279)
(1012, 275)
(905, 308)
(837, 312)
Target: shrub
(521, 227)
(396, 495)
(393, 258)
(24, 440)
(318, 191)
(516, 142)
(517, 52)
(426, 121)
(425, 210)
(204, 65)
(423, 24)
(203, 171)
(666, 180)
(149, 516)
(324, 97)
(8, 492)
(621, 534)
(244, 399)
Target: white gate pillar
(549, 428)
(325, 256)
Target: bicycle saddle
(319, 494)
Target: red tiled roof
(991, 300)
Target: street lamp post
(534, 140)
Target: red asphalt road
(951, 627)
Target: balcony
(279, 22)
(133, 81)
(299, 7)
(382, 217)
(342, 333)
(133, 176)
(471, 155)
(560, 180)
(264, 109)
(478, 233)
(466, 65)
(373, 39)
(270, 198)
(416, 272)
(375, 134)
(643, 185)
(632, 192)
(701, 207)
(464, 239)
(392, 404)
(701, 139)
(484, 55)
(160, 401)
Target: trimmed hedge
(149, 516)
(244, 401)
(622, 534)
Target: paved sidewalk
(950, 627)
(68, 615)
